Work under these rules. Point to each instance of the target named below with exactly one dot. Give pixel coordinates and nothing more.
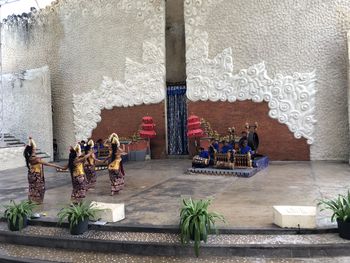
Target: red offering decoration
(194, 127)
(147, 120)
(147, 132)
(147, 128)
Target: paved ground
(154, 190)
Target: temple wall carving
(101, 54)
(290, 54)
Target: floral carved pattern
(291, 99)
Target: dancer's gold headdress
(114, 139)
(32, 142)
(91, 143)
(77, 149)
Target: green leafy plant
(196, 223)
(340, 206)
(17, 213)
(77, 213)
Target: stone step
(15, 143)
(11, 140)
(33, 254)
(168, 244)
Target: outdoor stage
(154, 190)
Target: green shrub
(18, 213)
(76, 213)
(340, 206)
(196, 222)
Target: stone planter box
(137, 155)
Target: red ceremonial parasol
(147, 131)
(194, 129)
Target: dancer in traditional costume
(36, 177)
(76, 168)
(89, 165)
(115, 165)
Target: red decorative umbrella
(147, 120)
(195, 133)
(147, 134)
(147, 127)
(147, 131)
(194, 127)
(193, 118)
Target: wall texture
(11, 158)
(289, 36)
(349, 77)
(175, 42)
(28, 108)
(91, 47)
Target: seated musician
(245, 149)
(226, 147)
(201, 160)
(244, 136)
(213, 148)
(203, 154)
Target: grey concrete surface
(154, 190)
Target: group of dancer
(81, 167)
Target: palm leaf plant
(340, 207)
(196, 223)
(17, 214)
(78, 216)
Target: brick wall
(276, 141)
(126, 121)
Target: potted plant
(340, 206)
(17, 214)
(196, 222)
(78, 216)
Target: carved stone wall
(28, 108)
(96, 50)
(303, 47)
(348, 35)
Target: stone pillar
(175, 41)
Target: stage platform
(249, 172)
(259, 164)
(154, 190)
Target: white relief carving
(144, 85)
(291, 99)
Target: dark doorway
(177, 119)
